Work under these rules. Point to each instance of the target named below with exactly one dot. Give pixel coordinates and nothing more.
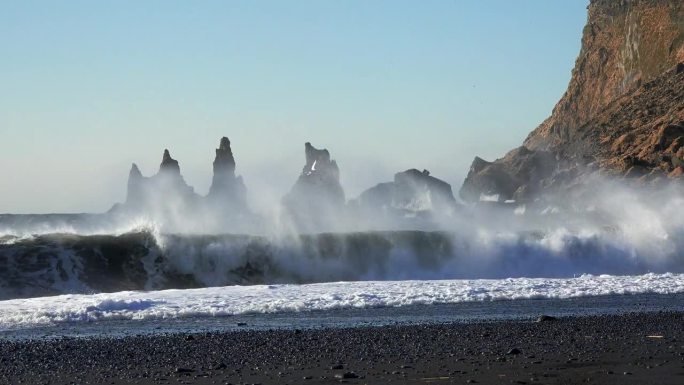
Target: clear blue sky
(87, 87)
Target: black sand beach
(638, 348)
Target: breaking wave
(52, 264)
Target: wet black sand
(639, 348)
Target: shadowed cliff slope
(622, 113)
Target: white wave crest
(236, 300)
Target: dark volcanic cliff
(625, 44)
(622, 114)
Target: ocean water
(522, 310)
(337, 304)
(91, 274)
(38, 265)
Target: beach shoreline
(639, 348)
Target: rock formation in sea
(411, 192)
(166, 198)
(622, 114)
(162, 191)
(317, 198)
(227, 191)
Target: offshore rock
(149, 194)
(168, 200)
(519, 175)
(622, 115)
(169, 165)
(135, 191)
(412, 191)
(227, 191)
(317, 198)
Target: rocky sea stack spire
(135, 182)
(168, 184)
(317, 196)
(224, 163)
(169, 164)
(167, 198)
(227, 191)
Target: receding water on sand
(527, 309)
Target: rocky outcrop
(135, 191)
(227, 191)
(625, 44)
(412, 191)
(169, 165)
(517, 176)
(621, 114)
(640, 134)
(147, 194)
(166, 196)
(317, 197)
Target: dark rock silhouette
(519, 176)
(169, 165)
(227, 191)
(317, 197)
(411, 191)
(135, 191)
(166, 195)
(147, 194)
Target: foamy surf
(268, 299)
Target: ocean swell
(52, 264)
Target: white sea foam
(235, 300)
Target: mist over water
(604, 228)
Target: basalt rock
(149, 194)
(317, 198)
(169, 165)
(135, 191)
(625, 45)
(517, 176)
(412, 191)
(227, 191)
(621, 116)
(166, 196)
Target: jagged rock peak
(317, 199)
(227, 191)
(319, 162)
(135, 172)
(134, 192)
(169, 164)
(224, 161)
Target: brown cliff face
(623, 111)
(626, 43)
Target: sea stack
(135, 190)
(158, 193)
(169, 165)
(317, 198)
(227, 191)
(412, 191)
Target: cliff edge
(622, 113)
